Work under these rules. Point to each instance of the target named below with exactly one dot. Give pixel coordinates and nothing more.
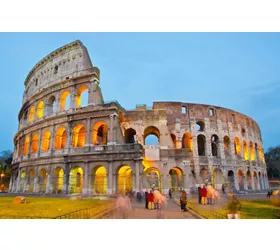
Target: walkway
(171, 211)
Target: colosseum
(70, 141)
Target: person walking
(183, 201)
(151, 200)
(234, 206)
(223, 188)
(170, 193)
(209, 194)
(146, 198)
(162, 203)
(123, 205)
(203, 195)
(199, 194)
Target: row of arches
(50, 105)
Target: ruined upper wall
(69, 61)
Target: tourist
(170, 193)
(139, 196)
(199, 194)
(203, 195)
(151, 200)
(123, 205)
(209, 194)
(223, 188)
(234, 207)
(146, 198)
(162, 203)
(157, 195)
(183, 201)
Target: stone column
(252, 181)
(52, 140)
(36, 186)
(133, 180)
(110, 178)
(72, 99)
(88, 137)
(91, 91)
(30, 144)
(245, 181)
(39, 142)
(49, 187)
(111, 138)
(114, 188)
(57, 103)
(85, 190)
(137, 175)
(68, 140)
(236, 185)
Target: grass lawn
(49, 207)
(258, 209)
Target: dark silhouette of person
(146, 198)
(170, 193)
(199, 194)
(223, 188)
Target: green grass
(44, 206)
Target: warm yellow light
(40, 109)
(245, 151)
(60, 175)
(31, 113)
(46, 141)
(63, 99)
(237, 146)
(187, 143)
(78, 136)
(125, 179)
(60, 138)
(252, 151)
(76, 180)
(34, 143)
(99, 133)
(79, 95)
(26, 145)
(101, 180)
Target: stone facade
(66, 146)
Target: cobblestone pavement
(171, 211)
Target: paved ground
(171, 211)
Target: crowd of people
(207, 195)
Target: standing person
(151, 200)
(139, 196)
(199, 194)
(183, 201)
(209, 194)
(157, 195)
(234, 207)
(146, 198)
(162, 202)
(170, 193)
(124, 205)
(203, 195)
(223, 188)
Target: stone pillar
(52, 140)
(245, 181)
(91, 92)
(49, 187)
(236, 185)
(39, 142)
(133, 180)
(36, 186)
(137, 175)
(88, 137)
(112, 136)
(252, 181)
(110, 178)
(68, 140)
(85, 190)
(30, 144)
(57, 103)
(114, 187)
(72, 99)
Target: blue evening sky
(239, 71)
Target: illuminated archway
(79, 136)
(22, 181)
(26, 145)
(176, 179)
(252, 151)
(249, 180)
(65, 100)
(187, 141)
(236, 146)
(58, 179)
(173, 138)
(231, 179)
(256, 180)
(125, 179)
(240, 180)
(201, 145)
(217, 179)
(60, 138)
(82, 97)
(150, 134)
(152, 177)
(46, 141)
(226, 144)
(100, 133)
(245, 151)
(40, 109)
(130, 135)
(31, 113)
(100, 180)
(43, 180)
(34, 143)
(76, 180)
(31, 176)
(214, 145)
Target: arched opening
(245, 151)
(58, 179)
(249, 180)
(46, 141)
(217, 178)
(40, 109)
(76, 180)
(82, 97)
(252, 151)
(51, 108)
(43, 180)
(60, 138)
(240, 180)
(226, 144)
(176, 182)
(243, 132)
(151, 136)
(173, 138)
(256, 181)
(100, 133)
(231, 178)
(130, 135)
(78, 136)
(187, 141)
(26, 145)
(236, 146)
(31, 176)
(152, 178)
(214, 145)
(65, 100)
(125, 179)
(260, 151)
(34, 143)
(201, 145)
(31, 113)
(100, 180)
(200, 126)
(22, 181)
